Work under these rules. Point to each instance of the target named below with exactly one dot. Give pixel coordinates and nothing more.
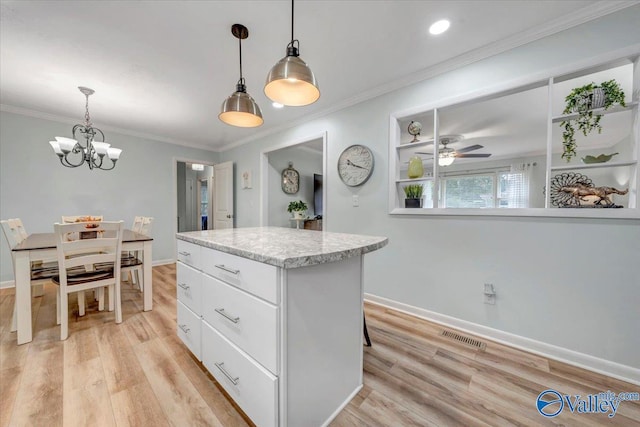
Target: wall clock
(290, 180)
(355, 165)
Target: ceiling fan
(447, 155)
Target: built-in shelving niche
(519, 126)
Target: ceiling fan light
(239, 109)
(447, 157)
(291, 82)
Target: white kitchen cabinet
(280, 322)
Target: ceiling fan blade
(470, 148)
(424, 152)
(471, 155)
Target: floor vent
(464, 339)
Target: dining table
(39, 246)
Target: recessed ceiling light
(439, 27)
(277, 105)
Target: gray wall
(38, 189)
(572, 283)
(306, 162)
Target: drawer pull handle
(227, 269)
(226, 374)
(183, 253)
(184, 328)
(184, 286)
(221, 312)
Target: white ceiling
(162, 68)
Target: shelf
(597, 112)
(424, 178)
(415, 144)
(593, 166)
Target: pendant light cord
(292, 49)
(292, 22)
(241, 81)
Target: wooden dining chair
(41, 270)
(131, 261)
(99, 257)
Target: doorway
(308, 158)
(194, 193)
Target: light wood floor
(138, 373)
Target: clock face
(290, 180)
(355, 165)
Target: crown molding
(586, 14)
(70, 121)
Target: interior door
(223, 195)
(191, 208)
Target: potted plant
(297, 208)
(413, 193)
(583, 100)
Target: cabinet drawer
(254, 277)
(189, 254)
(247, 321)
(189, 329)
(252, 387)
(189, 287)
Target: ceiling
(161, 69)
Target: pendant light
(239, 109)
(291, 82)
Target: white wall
(572, 283)
(306, 162)
(35, 187)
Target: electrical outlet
(489, 294)
(356, 200)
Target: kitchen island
(276, 316)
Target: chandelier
(73, 153)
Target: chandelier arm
(69, 163)
(99, 131)
(113, 165)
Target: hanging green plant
(583, 100)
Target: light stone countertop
(285, 247)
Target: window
(473, 191)
(497, 189)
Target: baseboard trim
(7, 284)
(11, 283)
(342, 406)
(574, 358)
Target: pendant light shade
(291, 82)
(239, 109)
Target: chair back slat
(17, 222)
(147, 222)
(11, 232)
(137, 223)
